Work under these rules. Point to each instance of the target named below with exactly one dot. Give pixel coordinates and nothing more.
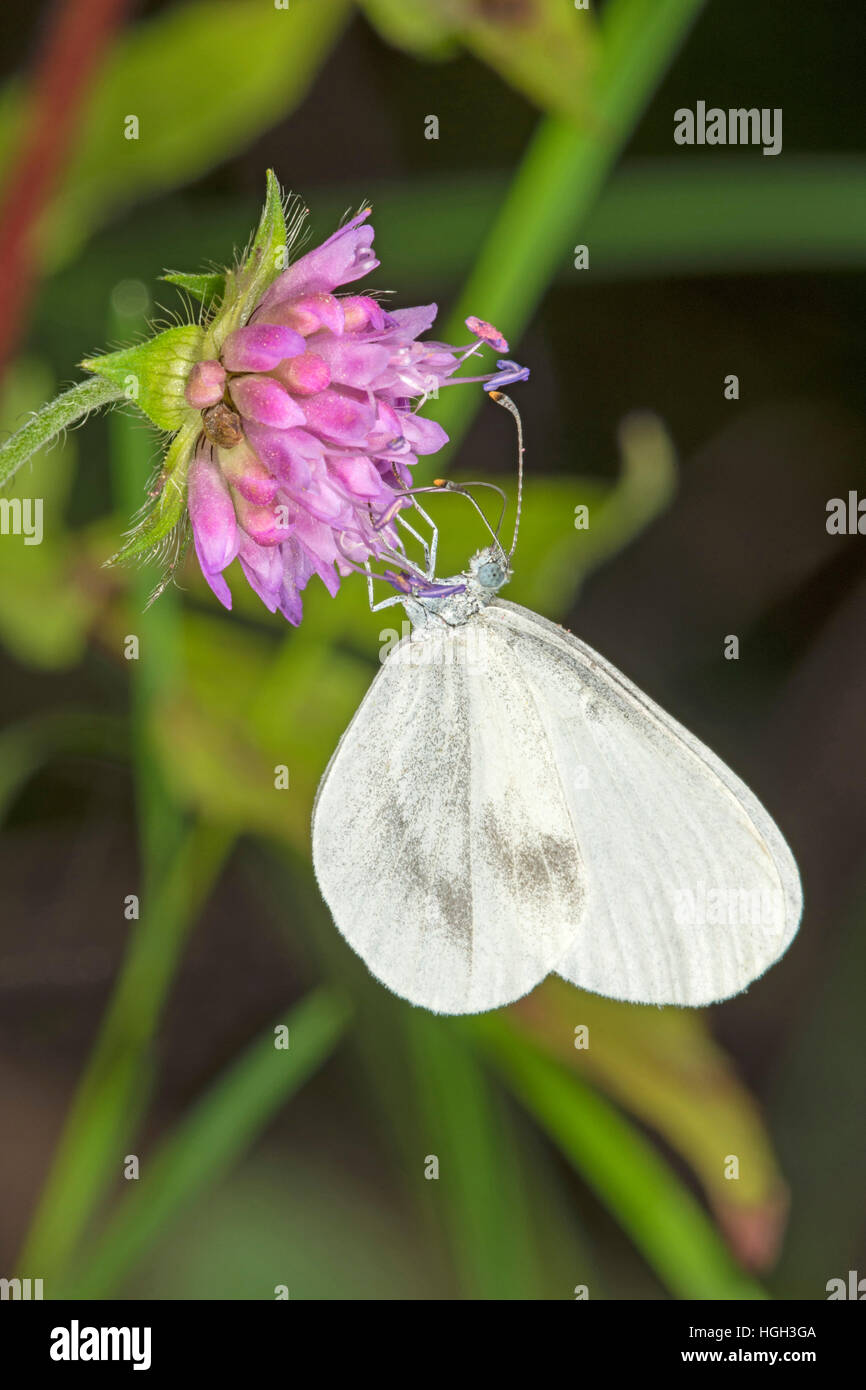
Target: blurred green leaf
(415, 25)
(211, 1138)
(479, 1193)
(560, 179)
(44, 617)
(546, 49)
(111, 1093)
(659, 1213)
(695, 217)
(663, 1066)
(324, 1229)
(202, 78)
(297, 704)
(818, 1108)
(554, 555)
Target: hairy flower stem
(51, 420)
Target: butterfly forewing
(443, 840)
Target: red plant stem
(78, 33)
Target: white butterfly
(505, 804)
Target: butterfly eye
(490, 574)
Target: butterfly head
(488, 571)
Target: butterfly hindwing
(690, 889)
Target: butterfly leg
(383, 603)
(429, 551)
(416, 535)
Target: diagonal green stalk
(51, 420)
(156, 672)
(176, 870)
(646, 1197)
(212, 1137)
(487, 1220)
(546, 208)
(111, 1091)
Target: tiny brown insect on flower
(222, 425)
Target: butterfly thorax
(456, 599)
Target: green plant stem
(176, 871)
(157, 671)
(212, 1137)
(111, 1090)
(559, 181)
(488, 1221)
(51, 420)
(635, 1183)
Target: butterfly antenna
(501, 399)
(443, 485)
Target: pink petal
(323, 502)
(362, 314)
(345, 256)
(282, 454)
(260, 346)
(290, 604)
(264, 400)
(408, 323)
(248, 475)
(307, 314)
(263, 568)
(215, 580)
(425, 436)
(205, 384)
(357, 474)
(318, 542)
(351, 363)
(263, 524)
(337, 416)
(212, 514)
(307, 374)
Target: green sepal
(266, 259)
(169, 507)
(209, 287)
(153, 374)
(267, 256)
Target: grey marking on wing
(542, 865)
(453, 902)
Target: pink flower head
(311, 426)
